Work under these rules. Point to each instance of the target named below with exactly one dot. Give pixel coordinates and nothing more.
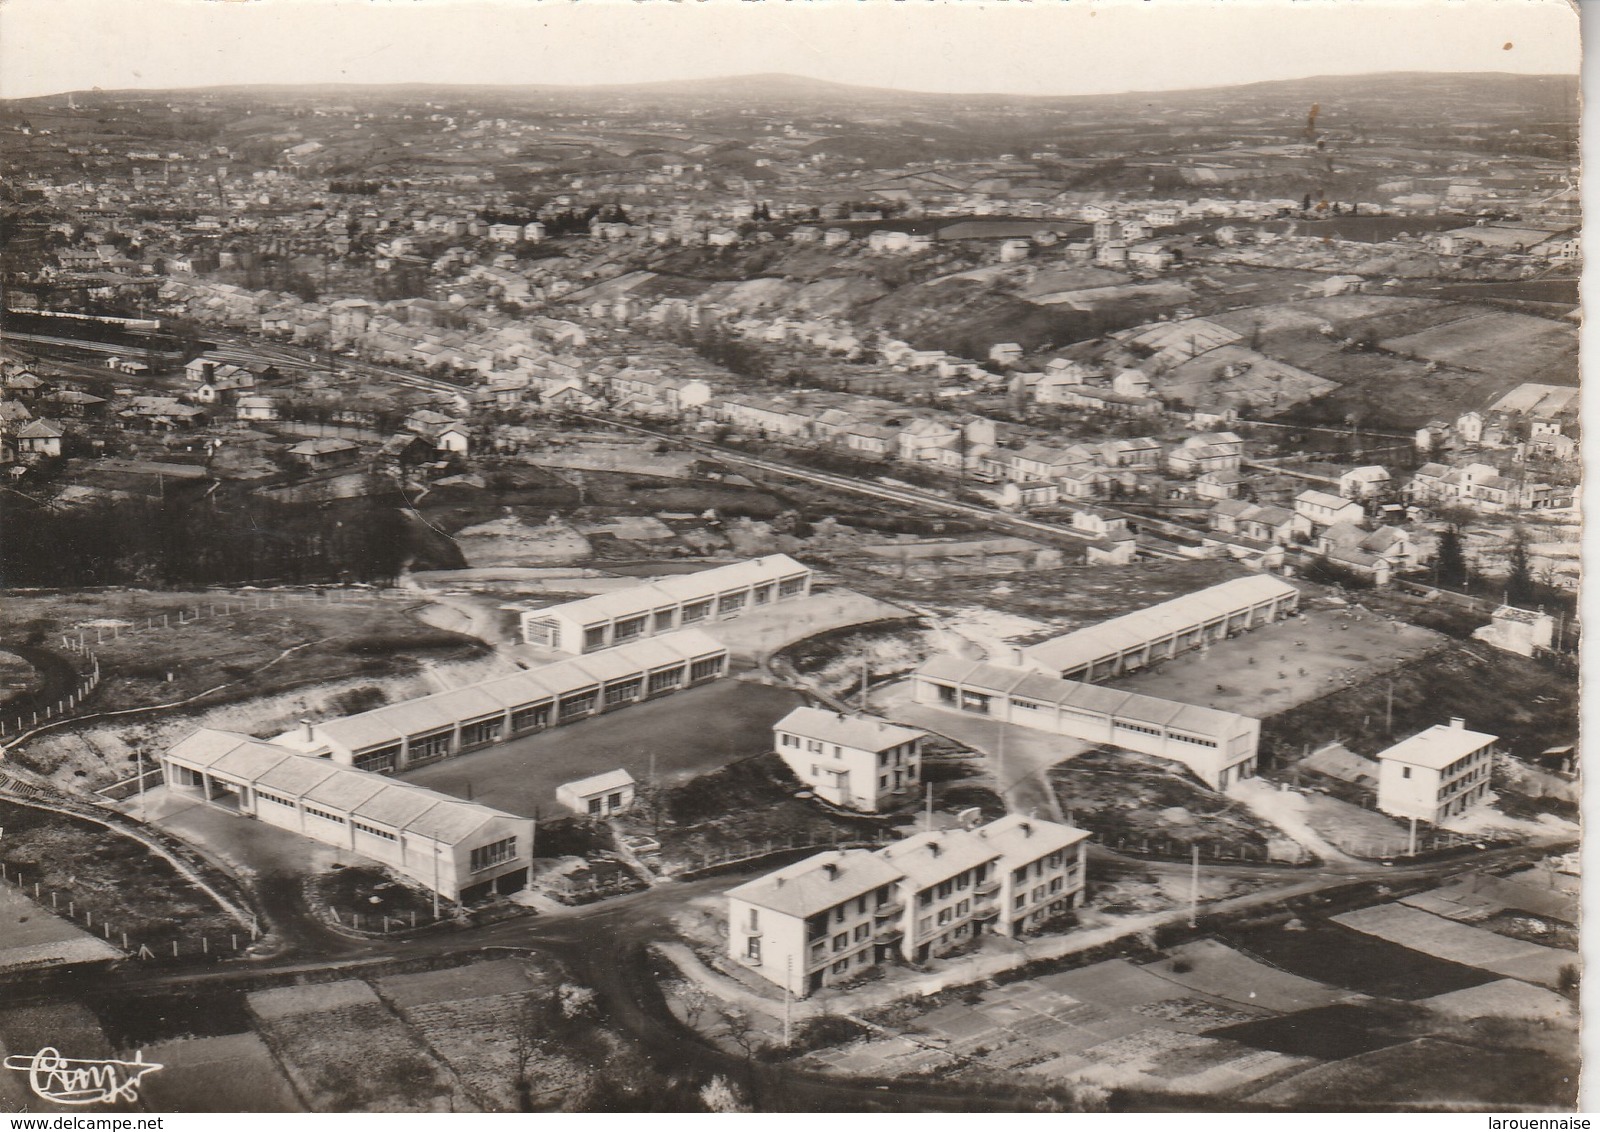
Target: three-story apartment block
(832, 917)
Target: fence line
(107, 930)
(225, 606)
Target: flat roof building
(1219, 747)
(462, 850)
(607, 620)
(1135, 640)
(429, 728)
(1436, 774)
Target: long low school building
(464, 851)
(1136, 640)
(665, 605)
(1219, 747)
(424, 730)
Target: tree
(1452, 561)
(1519, 572)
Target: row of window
(374, 830)
(979, 702)
(325, 815)
(495, 853)
(268, 796)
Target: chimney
(1457, 723)
(1016, 658)
(779, 881)
(307, 735)
(1026, 827)
(832, 870)
(933, 847)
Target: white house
(1314, 510)
(600, 795)
(1436, 774)
(857, 762)
(832, 918)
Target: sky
(1011, 46)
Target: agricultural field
(111, 878)
(346, 1051)
(480, 1019)
(1532, 349)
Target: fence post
(174, 949)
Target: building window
(495, 853)
(479, 733)
(696, 611)
(791, 586)
(705, 669)
(373, 830)
(663, 620)
(925, 925)
(325, 815)
(580, 704)
(594, 807)
(623, 691)
(944, 916)
(963, 908)
(862, 931)
(1405, 772)
(730, 603)
(841, 941)
(528, 718)
(665, 679)
(629, 629)
(434, 746)
(381, 761)
(753, 949)
(594, 638)
(841, 966)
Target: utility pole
(138, 754)
(1194, 884)
(1000, 765)
(1411, 840)
(1388, 711)
(928, 811)
(866, 677)
(788, 996)
(436, 883)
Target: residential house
(1364, 483)
(1219, 485)
(1437, 774)
(856, 762)
(38, 438)
(325, 452)
(1316, 510)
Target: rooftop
(1438, 746)
(864, 732)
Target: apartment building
(832, 917)
(858, 762)
(605, 621)
(817, 922)
(1436, 774)
(462, 850)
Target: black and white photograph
(637, 556)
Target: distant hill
(1495, 95)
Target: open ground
(686, 734)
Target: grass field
(32, 934)
(255, 648)
(1527, 705)
(1337, 956)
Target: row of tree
(190, 539)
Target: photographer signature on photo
(82, 1081)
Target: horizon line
(749, 75)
